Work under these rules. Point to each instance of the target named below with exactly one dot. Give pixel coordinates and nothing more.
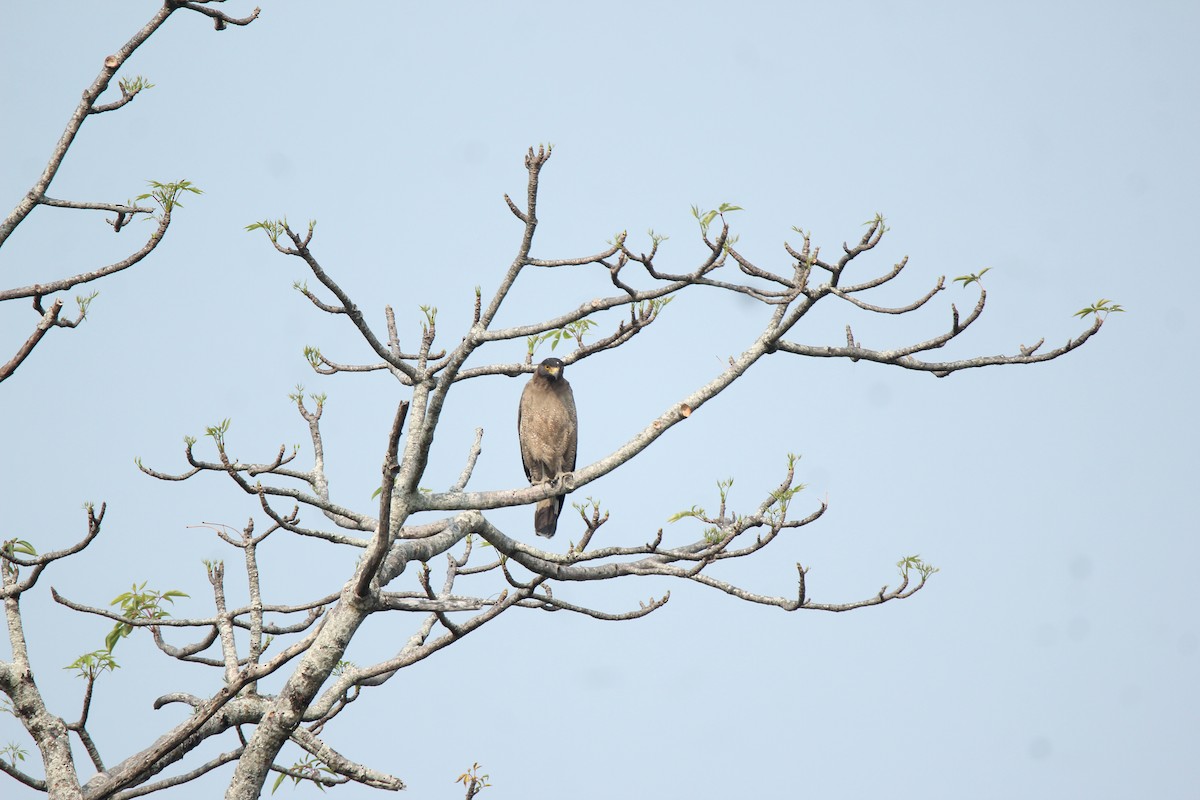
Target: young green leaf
(974, 277)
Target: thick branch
(186, 735)
(344, 766)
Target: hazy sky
(1056, 652)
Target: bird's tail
(545, 517)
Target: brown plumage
(548, 430)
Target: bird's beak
(552, 371)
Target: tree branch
(48, 320)
(941, 369)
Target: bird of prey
(548, 430)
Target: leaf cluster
(167, 194)
(473, 781)
(308, 768)
(705, 218)
(13, 547)
(974, 277)
(13, 752)
(141, 604)
(218, 431)
(1101, 306)
(275, 228)
(650, 308)
(430, 313)
(694, 511)
(89, 665)
(131, 86)
(574, 330)
(18, 546)
(914, 562)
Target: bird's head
(551, 368)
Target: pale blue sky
(1055, 654)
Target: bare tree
(165, 196)
(422, 553)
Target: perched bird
(548, 430)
